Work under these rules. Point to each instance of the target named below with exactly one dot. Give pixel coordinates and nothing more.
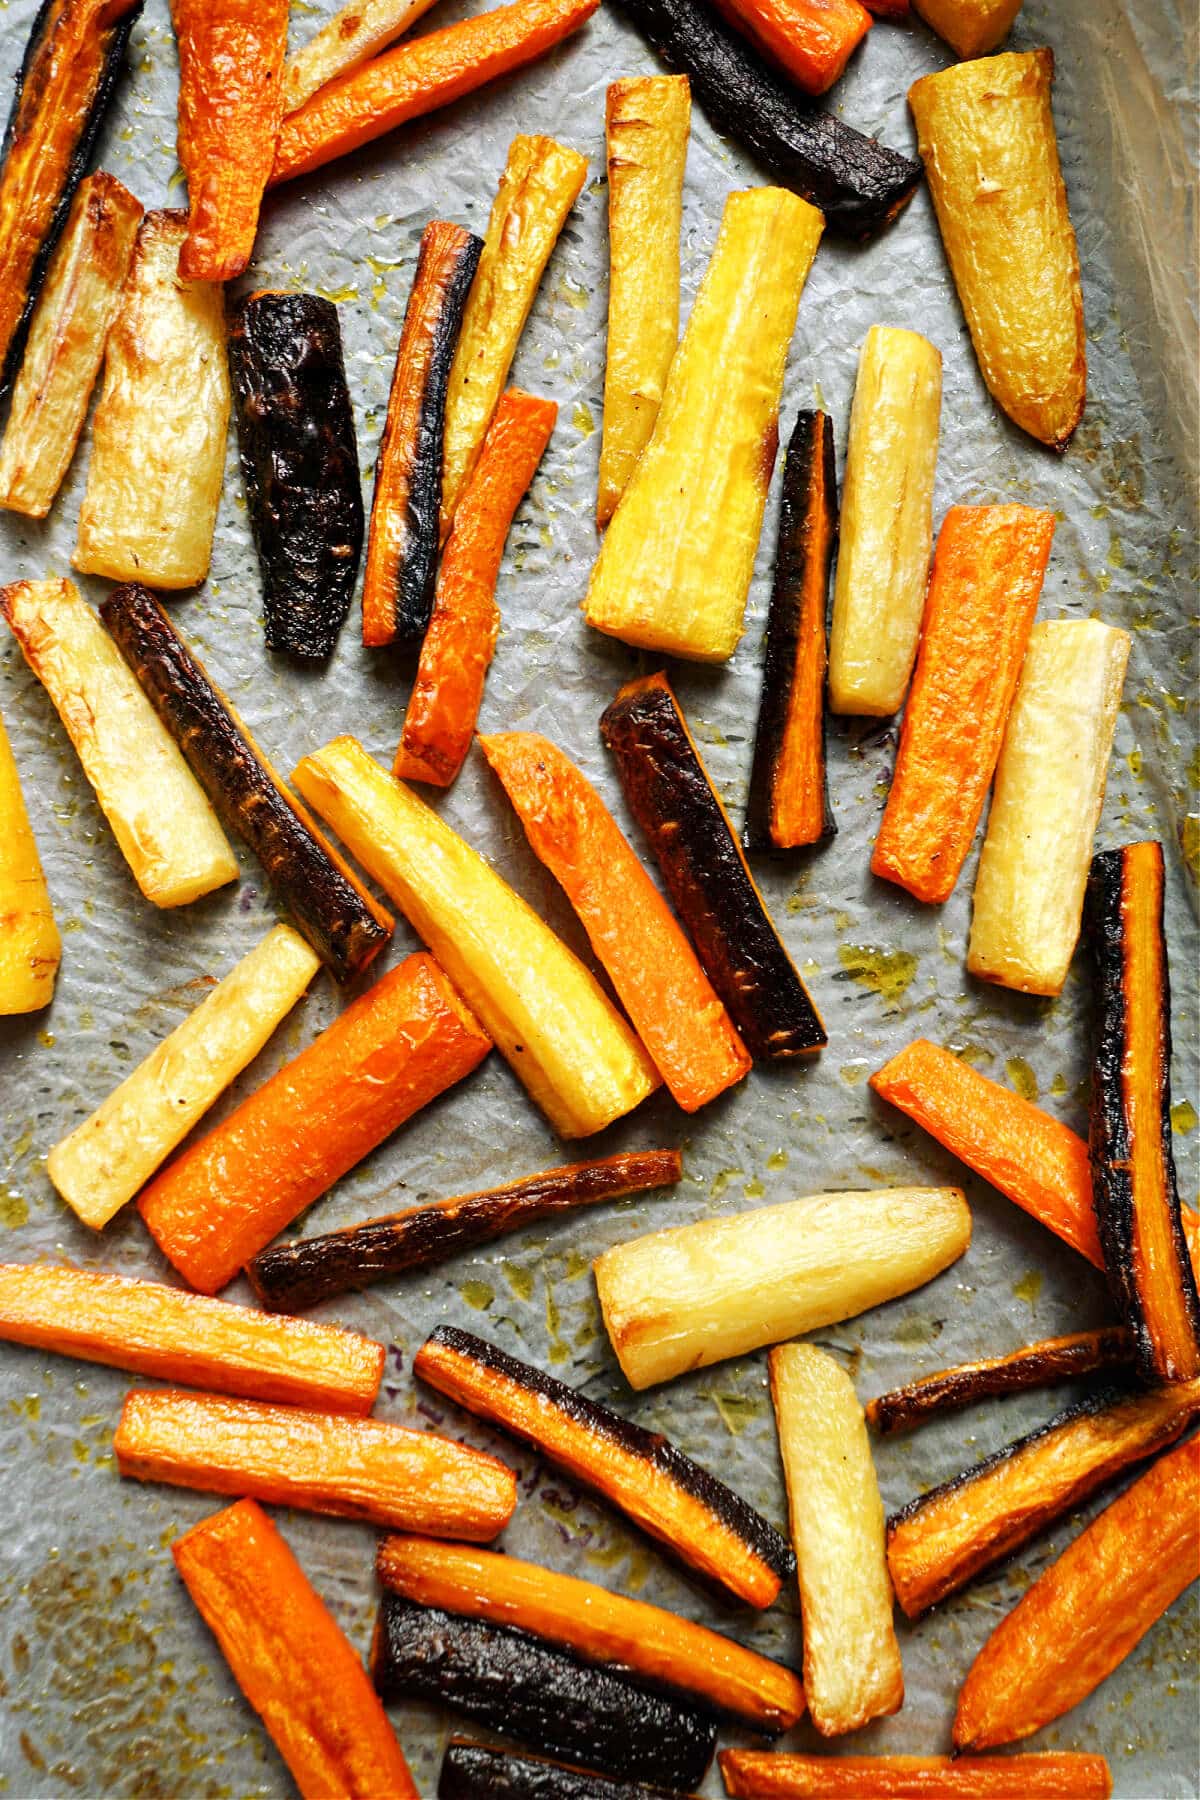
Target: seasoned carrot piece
(458, 646)
(983, 594)
(1033, 1366)
(290, 1659)
(810, 40)
(1061, 1775)
(398, 1046)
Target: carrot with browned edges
(1087, 1611)
(417, 78)
(983, 593)
(810, 40)
(231, 55)
(291, 1659)
(459, 644)
(396, 1048)
(173, 1336)
(1033, 1366)
(670, 1000)
(1057, 1775)
(349, 1468)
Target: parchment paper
(108, 1682)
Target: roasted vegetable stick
(1056, 1775)
(944, 1538)
(706, 873)
(809, 40)
(406, 509)
(172, 1336)
(167, 832)
(73, 61)
(539, 186)
(398, 1046)
(299, 461)
(30, 947)
(1087, 1611)
(986, 136)
(546, 1013)
(346, 41)
(1049, 789)
(789, 790)
(350, 1468)
(646, 125)
(1133, 1165)
(1033, 1366)
(970, 27)
(675, 566)
(479, 1772)
(653, 1647)
(231, 56)
(631, 930)
(983, 594)
(345, 926)
(459, 644)
(695, 1294)
(852, 1670)
(513, 1683)
(687, 1510)
(104, 1161)
(77, 304)
(858, 184)
(886, 526)
(291, 1659)
(289, 1277)
(414, 79)
(158, 435)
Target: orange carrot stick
(291, 1659)
(1058, 1775)
(175, 1336)
(633, 932)
(231, 56)
(419, 77)
(324, 1462)
(1087, 1611)
(983, 593)
(458, 646)
(399, 1045)
(810, 40)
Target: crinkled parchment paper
(108, 1682)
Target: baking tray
(109, 1685)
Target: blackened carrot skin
(1033, 1366)
(479, 1772)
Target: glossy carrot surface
(810, 40)
(1063, 1775)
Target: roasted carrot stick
(597, 1626)
(1087, 1611)
(983, 593)
(1033, 1366)
(230, 105)
(633, 932)
(400, 1044)
(291, 1659)
(322, 1462)
(810, 40)
(418, 78)
(173, 1336)
(1057, 1775)
(458, 646)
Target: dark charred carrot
(406, 508)
(810, 40)
(479, 1772)
(393, 1050)
(461, 638)
(1055, 1775)
(1033, 1366)
(323, 1462)
(983, 593)
(291, 1659)
(289, 1277)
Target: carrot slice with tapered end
(396, 1048)
(810, 40)
(324, 1462)
(231, 56)
(1033, 1366)
(1087, 1611)
(1059, 1775)
(458, 647)
(654, 969)
(291, 1659)
(418, 78)
(983, 593)
(160, 1331)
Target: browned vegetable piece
(1033, 1366)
